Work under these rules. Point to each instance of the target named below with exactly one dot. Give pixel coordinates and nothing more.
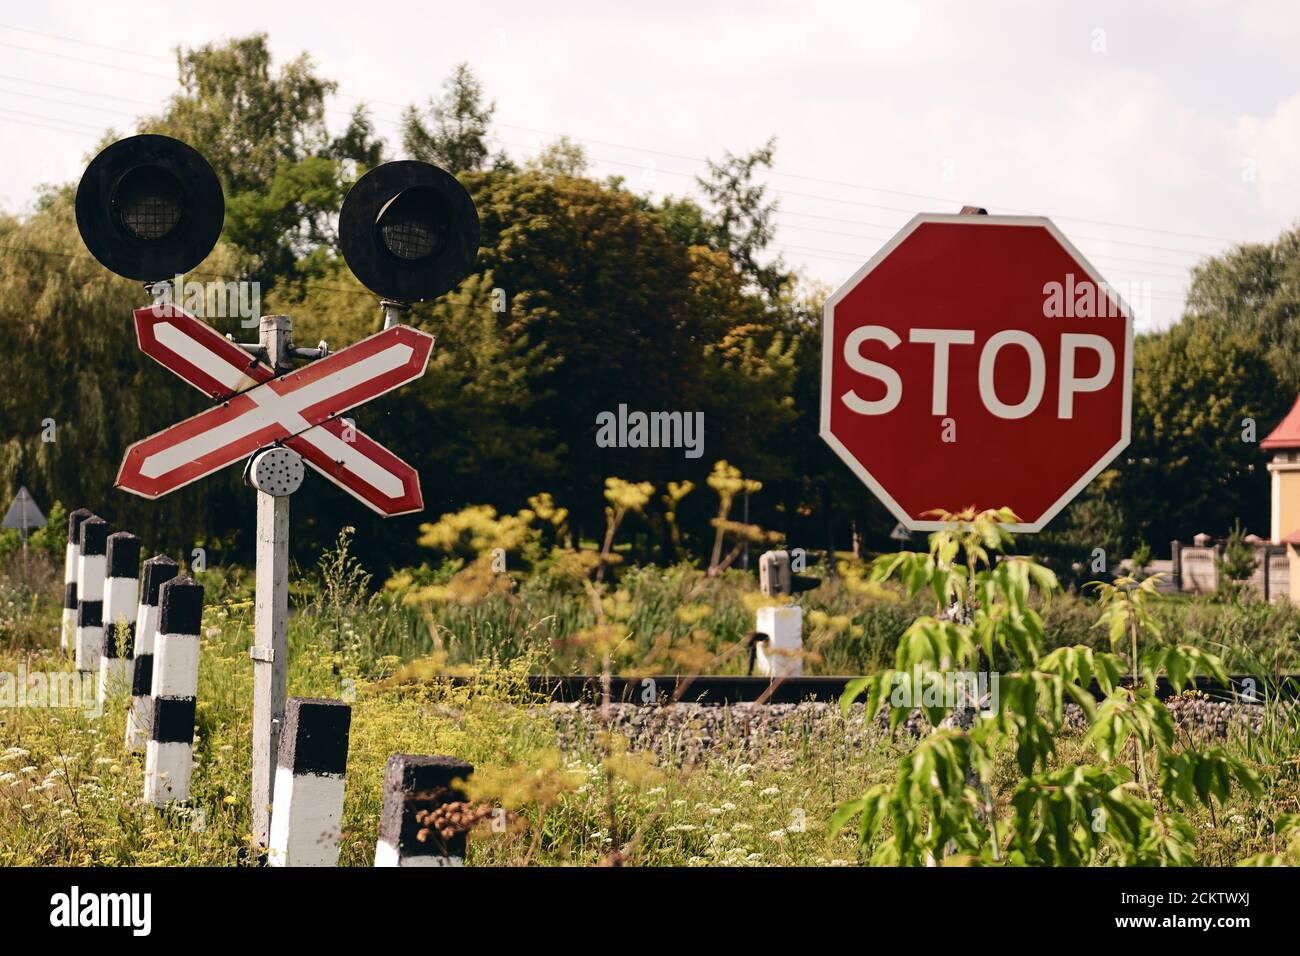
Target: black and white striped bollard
(307, 811)
(158, 570)
(169, 756)
(415, 787)
(92, 563)
(120, 608)
(67, 636)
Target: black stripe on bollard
(414, 785)
(142, 676)
(173, 720)
(158, 570)
(75, 518)
(180, 607)
(123, 552)
(90, 614)
(114, 634)
(307, 804)
(94, 536)
(315, 736)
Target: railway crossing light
(409, 232)
(149, 207)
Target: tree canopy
(586, 296)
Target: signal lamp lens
(148, 202)
(413, 224)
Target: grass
(70, 795)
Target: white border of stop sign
(828, 396)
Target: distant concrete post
(1176, 555)
(169, 758)
(158, 570)
(412, 830)
(309, 776)
(92, 563)
(781, 655)
(71, 560)
(120, 608)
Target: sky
(1153, 133)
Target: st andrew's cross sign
(299, 410)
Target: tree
(244, 120)
(266, 137)
(358, 144)
(563, 157)
(453, 131)
(742, 214)
(1238, 564)
(1194, 461)
(1253, 290)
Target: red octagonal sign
(976, 360)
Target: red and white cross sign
(299, 410)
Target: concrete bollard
(307, 811)
(120, 608)
(67, 635)
(158, 570)
(413, 788)
(92, 563)
(781, 655)
(169, 756)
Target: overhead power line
(653, 151)
(888, 228)
(57, 129)
(80, 59)
(830, 255)
(66, 39)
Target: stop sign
(976, 360)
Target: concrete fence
(1194, 569)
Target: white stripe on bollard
(169, 756)
(413, 787)
(158, 570)
(67, 634)
(92, 562)
(120, 608)
(309, 773)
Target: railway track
(669, 688)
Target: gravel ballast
(686, 732)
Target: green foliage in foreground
(1130, 804)
(70, 795)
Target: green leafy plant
(943, 807)
(1237, 565)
